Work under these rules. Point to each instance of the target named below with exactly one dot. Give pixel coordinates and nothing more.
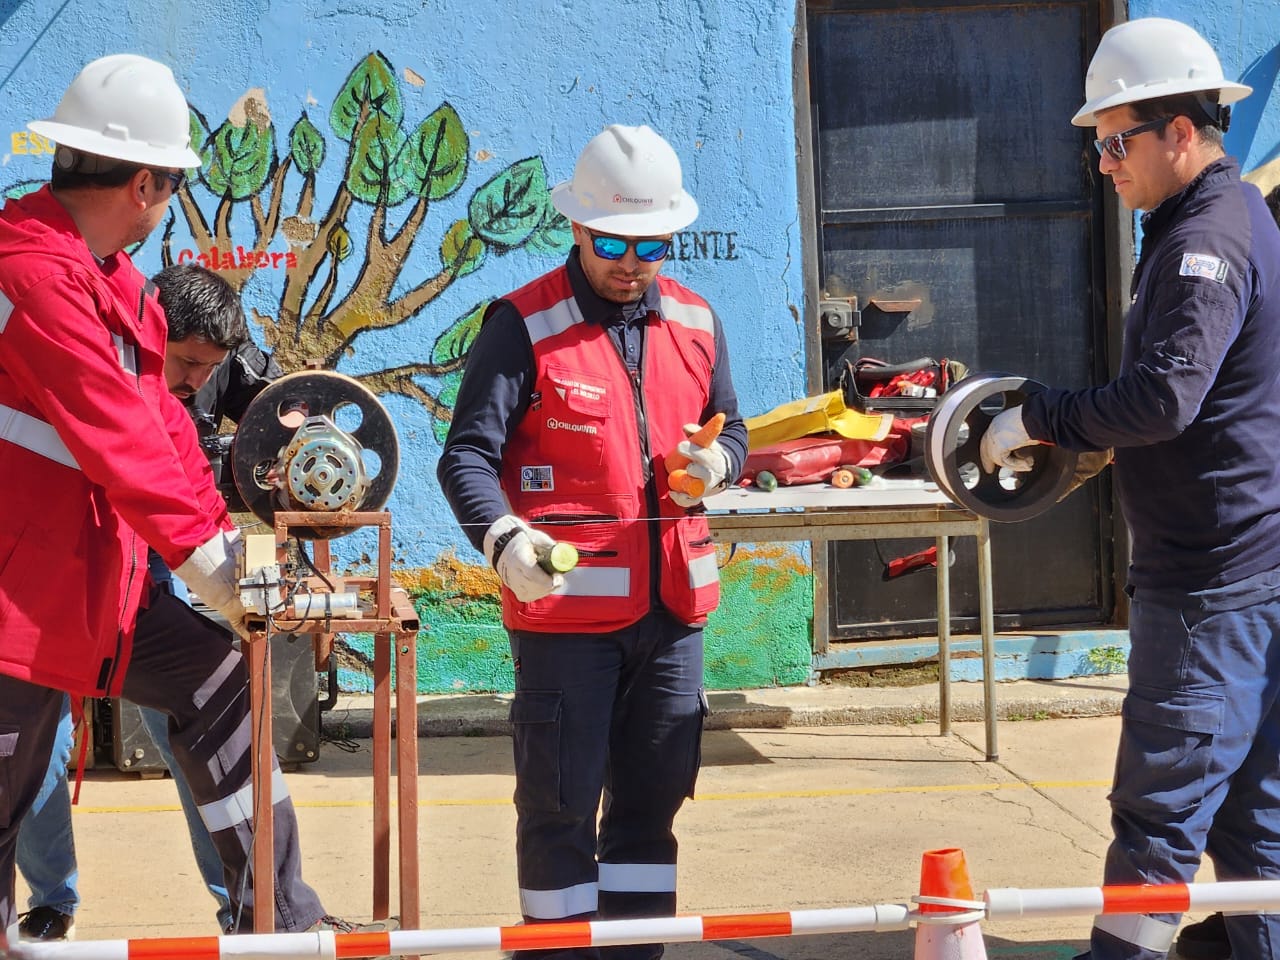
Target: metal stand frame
(394, 624)
(822, 515)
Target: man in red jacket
(100, 462)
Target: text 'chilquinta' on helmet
(1148, 59)
(627, 182)
(125, 107)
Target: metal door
(956, 203)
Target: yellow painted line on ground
(702, 797)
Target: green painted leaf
(240, 159)
(306, 145)
(371, 90)
(22, 188)
(200, 141)
(454, 343)
(376, 172)
(507, 209)
(460, 245)
(554, 235)
(436, 159)
(449, 384)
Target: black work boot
(1206, 940)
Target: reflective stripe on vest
(6, 311)
(596, 582)
(34, 435)
(555, 319)
(703, 571)
(692, 315)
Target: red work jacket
(585, 463)
(97, 459)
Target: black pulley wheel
(272, 420)
(953, 444)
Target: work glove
(1004, 437)
(512, 547)
(708, 464)
(1088, 465)
(212, 572)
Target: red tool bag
(814, 459)
(908, 389)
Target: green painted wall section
(759, 637)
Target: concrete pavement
(797, 807)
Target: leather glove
(512, 547)
(1088, 465)
(1004, 437)
(708, 464)
(213, 574)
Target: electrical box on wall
(840, 318)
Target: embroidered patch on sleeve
(1203, 265)
(536, 479)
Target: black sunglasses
(176, 178)
(615, 248)
(1114, 144)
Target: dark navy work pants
(1198, 767)
(618, 714)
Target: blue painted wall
(520, 86)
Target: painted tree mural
(388, 163)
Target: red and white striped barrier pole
(541, 936)
(1000, 904)
(1234, 896)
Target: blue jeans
(46, 847)
(207, 860)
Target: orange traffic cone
(943, 875)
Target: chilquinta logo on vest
(554, 424)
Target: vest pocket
(691, 588)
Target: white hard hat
(627, 181)
(125, 107)
(1148, 59)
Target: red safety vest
(585, 464)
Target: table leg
(407, 776)
(257, 652)
(987, 617)
(381, 776)
(944, 638)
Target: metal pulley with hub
(952, 452)
(316, 441)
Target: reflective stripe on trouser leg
(185, 666)
(1138, 929)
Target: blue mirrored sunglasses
(1114, 144)
(176, 178)
(615, 248)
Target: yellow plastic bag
(822, 414)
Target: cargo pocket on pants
(695, 753)
(8, 746)
(535, 734)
